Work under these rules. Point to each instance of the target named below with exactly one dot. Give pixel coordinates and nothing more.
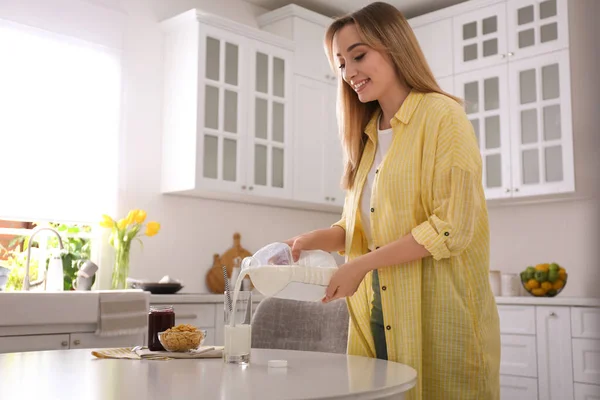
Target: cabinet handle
(510, 54)
(77, 342)
(552, 314)
(333, 199)
(251, 188)
(64, 343)
(187, 316)
(516, 189)
(327, 76)
(326, 198)
(502, 55)
(507, 190)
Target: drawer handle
(553, 314)
(77, 342)
(64, 343)
(186, 316)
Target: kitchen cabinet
(318, 161)
(10, 344)
(435, 40)
(227, 110)
(516, 388)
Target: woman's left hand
(344, 282)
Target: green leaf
(73, 229)
(62, 228)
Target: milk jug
(275, 274)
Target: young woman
(414, 227)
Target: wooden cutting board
(214, 277)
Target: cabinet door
(91, 340)
(221, 115)
(447, 85)
(435, 40)
(310, 59)
(480, 38)
(517, 388)
(587, 392)
(586, 359)
(16, 344)
(518, 355)
(485, 94)
(542, 143)
(333, 155)
(536, 27)
(310, 121)
(555, 358)
(269, 122)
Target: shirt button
(384, 288)
(372, 210)
(445, 233)
(377, 248)
(388, 327)
(376, 171)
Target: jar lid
(277, 363)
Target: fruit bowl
(544, 280)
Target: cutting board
(214, 277)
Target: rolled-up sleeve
(457, 193)
(342, 224)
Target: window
(59, 126)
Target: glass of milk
(238, 330)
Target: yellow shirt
(440, 314)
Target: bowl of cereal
(182, 338)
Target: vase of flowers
(124, 231)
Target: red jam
(160, 318)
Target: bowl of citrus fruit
(544, 280)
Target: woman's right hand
(330, 239)
(298, 244)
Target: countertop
(309, 375)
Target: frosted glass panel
(278, 77)
(549, 32)
(260, 164)
(262, 73)
(550, 82)
(470, 30)
(277, 167)
(525, 15)
(470, 52)
(229, 160)
(491, 94)
(527, 86)
(531, 166)
(278, 113)
(490, 25)
(529, 128)
(211, 151)
(552, 122)
(213, 51)
(493, 171)
(526, 38)
(231, 64)
(490, 47)
(211, 107)
(475, 123)
(472, 97)
(260, 121)
(547, 9)
(554, 164)
(492, 132)
(231, 104)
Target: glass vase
(121, 268)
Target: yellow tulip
(122, 223)
(140, 216)
(131, 217)
(152, 228)
(107, 222)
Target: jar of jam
(160, 318)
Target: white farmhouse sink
(48, 308)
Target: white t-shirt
(384, 140)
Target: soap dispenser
(55, 277)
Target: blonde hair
(382, 27)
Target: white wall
(567, 232)
(192, 229)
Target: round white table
(76, 374)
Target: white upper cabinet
(541, 132)
(480, 38)
(486, 101)
(227, 110)
(307, 29)
(536, 27)
(435, 40)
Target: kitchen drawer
(585, 322)
(518, 355)
(93, 341)
(586, 361)
(517, 319)
(17, 344)
(199, 315)
(587, 392)
(517, 388)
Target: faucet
(26, 283)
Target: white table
(76, 374)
